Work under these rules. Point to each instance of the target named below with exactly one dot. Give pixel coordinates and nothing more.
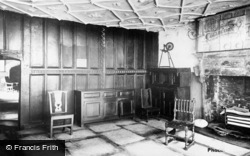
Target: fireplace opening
(226, 92)
(227, 105)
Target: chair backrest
(58, 102)
(184, 109)
(146, 98)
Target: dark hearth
(227, 92)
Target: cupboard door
(93, 110)
(110, 108)
(167, 103)
(126, 107)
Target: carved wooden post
(102, 57)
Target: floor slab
(91, 147)
(103, 127)
(160, 124)
(194, 150)
(125, 122)
(122, 136)
(142, 129)
(217, 144)
(37, 137)
(79, 134)
(149, 148)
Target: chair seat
(179, 124)
(62, 116)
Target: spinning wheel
(166, 48)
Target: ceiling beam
(206, 8)
(48, 13)
(18, 2)
(109, 8)
(15, 8)
(181, 10)
(79, 19)
(132, 6)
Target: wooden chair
(147, 105)
(8, 86)
(59, 118)
(183, 120)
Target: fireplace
(225, 78)
(226, 91)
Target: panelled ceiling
(149, 15)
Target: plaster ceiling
(150, 15)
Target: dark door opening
(10, 79)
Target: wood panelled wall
(53, 54)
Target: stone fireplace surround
(225, 78)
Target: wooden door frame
(14, 55)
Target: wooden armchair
(147, 107)
(59, 118)
(8, 86)
(183, 120)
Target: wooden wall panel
(13, 27)
(109, 49)
(109, 81)
(53, 82)
(93, 81)
(130, 81)
(1, 30)
(139, 49)
(36, 107)
(130, 50)
(93, 46)
(68, 85)
(51, 49)
(149, 48)
(81, 45)
(155, 50)
(119, 81)
(67, 44)
(119, 47)
(151, 40)
(53, 40)
(81, 82)
(37, 47)
(140, 81)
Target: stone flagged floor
(134, 138)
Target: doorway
(10, 79)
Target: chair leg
(71, 130)
(166, 134)
(166, 137)
(64, 128)
(146, 116)
(51, 128)
(158, 115)
(186, 137)
(72, 123)
(193, 134)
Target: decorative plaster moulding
(149, 15)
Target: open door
(10, 80)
